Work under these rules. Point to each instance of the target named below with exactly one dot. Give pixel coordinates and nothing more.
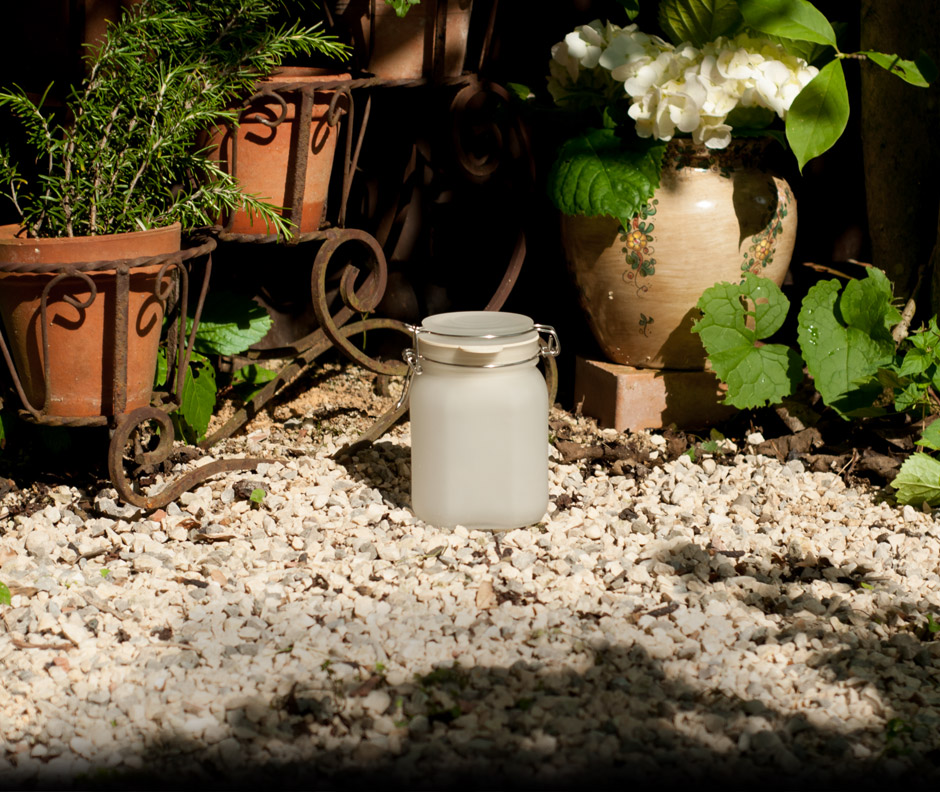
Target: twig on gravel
(96, 602)
(59, 647)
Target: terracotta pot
(401, 48)
(265, 157)
(81, 340)
(715, 216)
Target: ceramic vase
(717, 215)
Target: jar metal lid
(478, 338)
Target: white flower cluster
(681, 88)
(573, 72)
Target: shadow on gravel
(621, 722)
(381, 467)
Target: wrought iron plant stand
(335, 329)
(359, 292)
(123, 423)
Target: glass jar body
(479, 445)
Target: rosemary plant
(124, 155)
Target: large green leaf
(735, 316)
(921, 72)
(792, 19)
(918, 481)
(230, 324)
(844, 349)
(698, 21)
(598, 174)
(819, 114)
(197, 401)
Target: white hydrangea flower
(678, 89)
(573, 66)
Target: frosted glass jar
(479, 420)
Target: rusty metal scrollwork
(145, 461)
(362, 300)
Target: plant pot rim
(304, 74)
(12, 234)
(16, 248)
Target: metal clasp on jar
(552, 347)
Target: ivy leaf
(597, 174)
(918, 481)
(230, 324)
(912, 395)
(921, 72)
(698, 21)
(818, 116)
(734, 318)
(843, 347)
(632, 7)
(792, 19)
(930, 437)
(197, 401)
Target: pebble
(713, 606)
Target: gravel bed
(730, 619)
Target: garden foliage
(845, 342)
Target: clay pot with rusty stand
(429, 41)
(283, 149)
(717, 215)
(83, 336)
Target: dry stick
(827, 270)
(900, 331)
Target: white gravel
(731, 618)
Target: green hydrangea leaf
(735, 316)
(843, 346)
(598, 174)
(698, 21)
(819, 114)
(918, 481)
(921, 72)
(230, 324)
(792, 19)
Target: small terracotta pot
(715, 216)
(265, 157)
(401, 48)
(81, 339)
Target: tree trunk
(901, 163)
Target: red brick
(623, 397)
